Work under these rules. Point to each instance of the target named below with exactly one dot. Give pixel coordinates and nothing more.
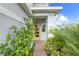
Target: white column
(51, 23)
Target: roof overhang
(43, 12)
(26, 8)
(46, 9)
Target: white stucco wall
(7, 21)
(51, 20)
(51, 23)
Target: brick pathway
(39, 48)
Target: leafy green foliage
(65, 42)
(21, 43)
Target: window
(43, 28)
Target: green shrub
(65, 42)
(21, 42)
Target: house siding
(6, 22)
(14, 8)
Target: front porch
(40, 23)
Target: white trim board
(43, 14)
(47, 8)
(6, 12)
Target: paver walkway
(39, 48)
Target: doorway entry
(37, 32)
(40, 28)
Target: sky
(69, 13)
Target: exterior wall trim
(46, 8)
(42, 14)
